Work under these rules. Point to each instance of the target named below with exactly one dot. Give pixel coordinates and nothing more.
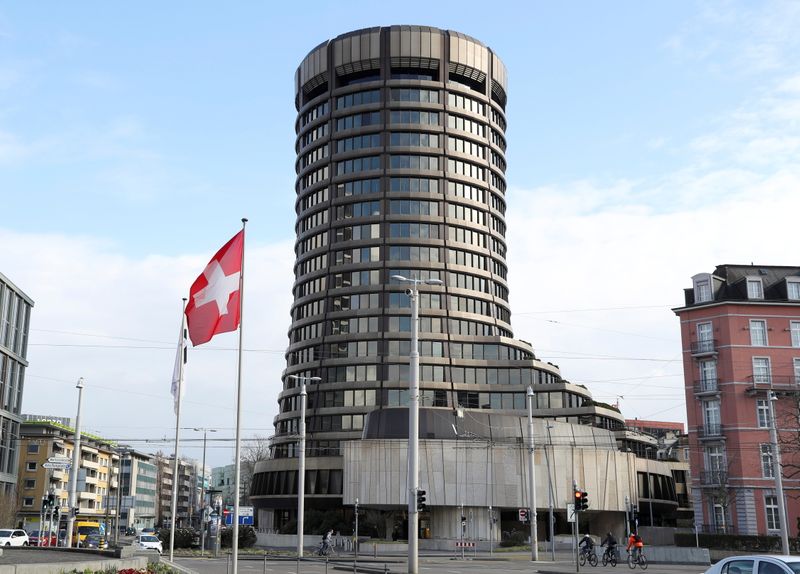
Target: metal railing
(704, 347)
(707, 385)
(713, 477)
(785, 383)
(710, 431)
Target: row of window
(441, 349)
(320, 481)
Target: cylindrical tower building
(400, 171)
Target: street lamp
(73, 478)
(649, 484)
(205, 432)
(776, 465)
(532, 483)
(301, 465)
(550, 494)
(413, 420)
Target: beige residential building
(97, 475)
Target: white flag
(177, 373)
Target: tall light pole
(778, 472)
(551, 526)
(205, 432)
(413, 421)
(73, 477)
(532, 482)
(301, 463)
(649, 485)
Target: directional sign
(57, 465)
(570, 512)
(62, 459)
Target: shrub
(183, 537)
(738, 542)
(247, 537)
(514, 538)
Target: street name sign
(57, 465)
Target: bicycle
(610, 556)
(587, 554)
(637, 557)
(326, 550)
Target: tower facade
(400, 171)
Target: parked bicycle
(637, 557)
(587, 555)
(610, 556)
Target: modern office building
(97, 474)
(223, 483)
(138, 476)
(15, 313)
(740, 332)
(400, 171)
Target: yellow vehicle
(84, 528)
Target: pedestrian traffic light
(584, 500)
(421, 501)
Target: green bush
(183, 537)
(514, 538)
(247, 537)
(737, 542)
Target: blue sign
(243, 520)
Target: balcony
(706, 387)
(710, 432)
(715, 529)
(713, 478)
(779, 384)
(704, 348)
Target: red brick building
(740, 333)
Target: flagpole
(237, 456)
(180, 359)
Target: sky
(647, 142)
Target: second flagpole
(237, 456)
(181, 361)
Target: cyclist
(611, 545)
(635, 542)
(586, 544)
(327, 540)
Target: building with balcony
(138, 495)
(97, 474)
(15, 313)
(401, 172)
(740, 332)
(188, 483)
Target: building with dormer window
(740, 333)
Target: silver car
(757, 564)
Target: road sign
(245, 516)
(57, 465)
(523, 514)
(62, 459)
(245, 511)
(570, 512)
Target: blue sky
(647, 142)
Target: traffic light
(581, 500)
(421, 501)
(634, 513)
(584, 500)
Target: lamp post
(776, 464)
(551, 526)
(205, 432)
(649, 485)
(413, 421)
(301, 464)
(532, 482)
(73, 478)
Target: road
(427, 565)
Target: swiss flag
(213, 305)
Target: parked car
(757, 563)
(148, 542)
(9, 537)
(93, 541)
(149, 531)
(33, 539)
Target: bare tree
(255, 450)
(8, 509)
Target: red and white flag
(213, 305)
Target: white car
(10, 537)
(757, 564)
(149, 542)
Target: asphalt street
(427, 565)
